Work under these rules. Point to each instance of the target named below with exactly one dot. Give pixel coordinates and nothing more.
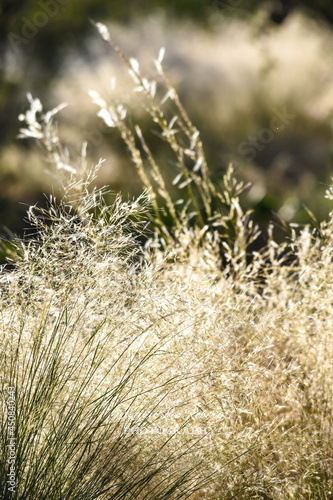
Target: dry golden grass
(177, 368)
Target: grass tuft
(187, 366)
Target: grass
(154, 355)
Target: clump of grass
(181, 368)
(74, 342)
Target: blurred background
(256, 78)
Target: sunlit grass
(154, 355)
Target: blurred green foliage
(278, 10)
(37, 35)
(41, 29)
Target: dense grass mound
(152, 355)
